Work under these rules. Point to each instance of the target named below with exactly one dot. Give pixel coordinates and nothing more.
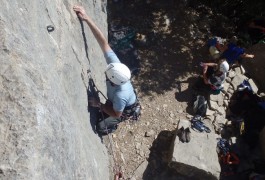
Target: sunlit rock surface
(45, 129)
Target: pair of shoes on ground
(184, 134)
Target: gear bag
(200, 105)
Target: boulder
(237, 80)
(220, 119)
(253, 86)
(216, 98)
(197, 159)
(238, 70)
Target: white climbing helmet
(224, 67)
(118, 73)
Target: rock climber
(214, 74)
(120, 92)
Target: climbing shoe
(182, 136)
(187, 134)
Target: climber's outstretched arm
(102, 41)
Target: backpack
(200, 105)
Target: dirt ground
(168, 43)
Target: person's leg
(108, 123)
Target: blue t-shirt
(233, 53)
(123, 95)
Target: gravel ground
(169, 40)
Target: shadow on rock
(194, 87)
(94, 111)
(159, 157)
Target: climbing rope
(116, 168)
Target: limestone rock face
(45, 129)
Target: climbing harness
(132, 112)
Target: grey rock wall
(45, 130)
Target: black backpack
(200, 105)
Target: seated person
(122, 100)
(230, 51)
(216, 47)
(214, 74)
(234, 54)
